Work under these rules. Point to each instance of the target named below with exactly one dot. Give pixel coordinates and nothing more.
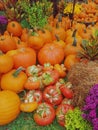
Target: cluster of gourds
(58, 44)
(89, 12)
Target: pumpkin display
(14, 80)
(51, 53)
(46, 67)
(9, 106)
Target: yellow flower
(69, 8)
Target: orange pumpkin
(35, 42)
(14, 28)
(24, 57)
(19, 43)
(61, 43)
(14, 80)
(73, 47)
(59, 31)
(46, 35)
(6, 63)
(9, 106)
(7, 43)
(51, 53)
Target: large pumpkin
(51, 53)
(9, 106)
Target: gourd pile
(55, 67)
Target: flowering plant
(91, 107)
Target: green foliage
(90, 47)
(36, 13)
(74, 121)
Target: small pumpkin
(46, 35)
(73, 47)
(35, 42)
(29, 106)
(58, 31)
(9, 106)
(14, 80)
(14, 28)
(51, 53)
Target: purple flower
(88, 99)
(92, 114)
(96, 101)
(3, 20)
(91, 107)
(95, 121)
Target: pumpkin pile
(55, 67)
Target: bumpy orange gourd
(9, 106)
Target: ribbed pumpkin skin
(9, 106)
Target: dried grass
(83, 77)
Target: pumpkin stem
(74, 42)
(57, 37)
(17, 72)
(74, 36)
(60, 18)
(74, 33)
